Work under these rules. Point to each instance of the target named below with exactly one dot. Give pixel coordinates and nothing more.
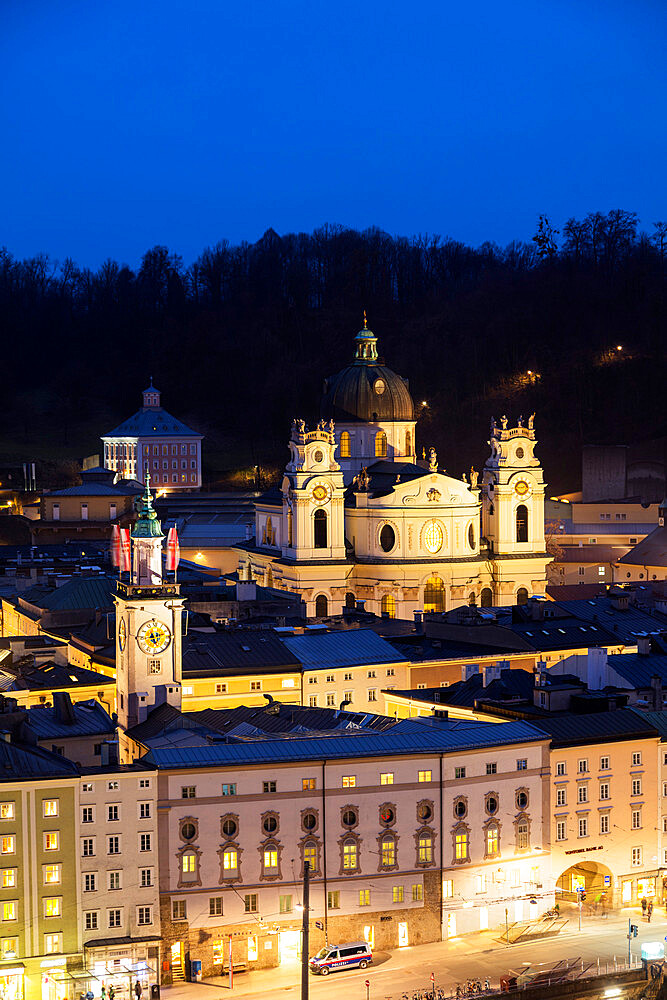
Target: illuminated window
(433, 537)
(434, 594)
(350, 856)
(408, 443)
(364, 897)
(52, 906)
(230, 861)
(461, 846)
(417, 892)
(424, 775)
(388, 853)
(492, 840)
(397, 894)
(381, 445)
(9, 910)
(6, 810)
(345, 449)
(387, 778)
(8, 878)
(53, 943)
(308, 784)
(349, 781)
(270, 858)
(8, 845)
(389, 606)
(425, 849)
(310, 856)
(188, 864)
(52, 874)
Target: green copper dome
(147, 524)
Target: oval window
(379, 386)
(387, 814)
(387, 538)
(318, 456)
(188, 831)
(519, 453)
(522, 800)
(424, 812)
(229, 827)
(310, 821)
(471, 536)
(270, 824)
(460, 808)
(349, 817)
(491, 805)
(433, 537)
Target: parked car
(337, 957)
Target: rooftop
(601, 727)
(152, 421)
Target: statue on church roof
(474, 476)
(432, 460)
(503, 421)
(531, 421)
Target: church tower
(148, 625)
(312, 509)
(513, 491)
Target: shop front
(12, 981)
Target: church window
(387, 538)
(472, 598)
(318, 456)
(434, 594)
(522, 523)
(380, 445)
(433, 537)
(471, 536)
(519, 453)
(345, 449)
(320, 529)
(486, 599)
(389, 606)
(321, 606)
(521, 596)
(408, 443)
(269, 531)
(350, 600)
(154, 667)
(290, 521)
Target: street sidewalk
(285, 978)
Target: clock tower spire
(148, 625)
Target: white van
(337, 957)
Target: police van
(338, 957)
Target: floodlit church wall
(366, 447)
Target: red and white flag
(125, 558)
(115, 546)
(173, 551)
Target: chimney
(643, 644)
(468, 670)
(63, 708)
(419, 622)
(658, 697)
(109, 753)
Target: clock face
(153, 636)
(122, 634)
(320, 493)
(521, 487)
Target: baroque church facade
(358, 518)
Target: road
(452, 962)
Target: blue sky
(130, 124)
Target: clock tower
(148, 625)
(513, 491)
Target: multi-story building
(604, 811)
(86, 511)
(153, 441)
(417, 833)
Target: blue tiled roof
(341, 648)
(19, 762)
(151, 422)
(410, 736)
(93, 490)
(624, 624)
(637, 669)
(90, 718)
(600, 727)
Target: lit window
(388, 854)
(424, 776)
(461, 846)
(425, 850)
(230, 861)
(6, 810)
(364, 897)
(349, 856)
(271, 858)
(387, 778)
(397, 894)
(188, 863)
(349, 781)
(308, 784)
(345, 450)
(52, 874)
(52, 906)
(50, 807)
(417, 893)
(52, 944)
(9, 910)
(492, 840)
(447, 888)
(8, 845)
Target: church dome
(366, 391)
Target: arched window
(522, 523)
(521, 596)
(388, 851)
(350, 855)
(471, 536)
(269, 531)
(408, 443)
(269, 577)
(345, 449)
(472, 598)
(320, 529)
(486, 598)
(321, 606)
(389, 605)
(380, 445)
(350, 601)
(434, 594)
(230, 860)
(290, 522)
(188, 866)
(492, 841)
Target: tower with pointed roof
(372, 409)
(149, 611)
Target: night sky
(130, 124)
